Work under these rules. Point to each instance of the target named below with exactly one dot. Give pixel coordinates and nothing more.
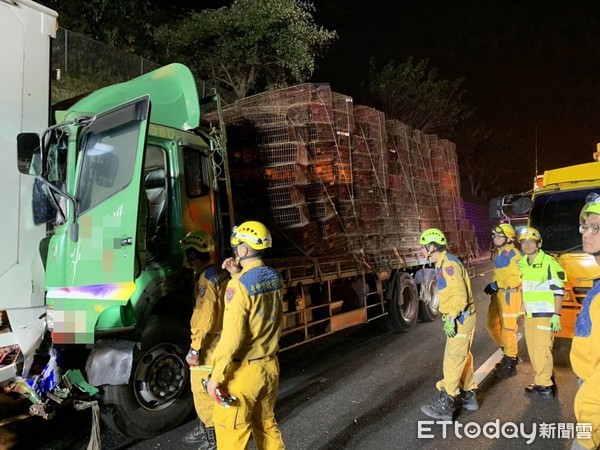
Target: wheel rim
(434, 298)
(160, 377)
(408, 307)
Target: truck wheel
(430, 297)
(404, 304)
(158, 396)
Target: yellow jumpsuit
(542, 280)
(245, 361)
(206, 324)
(585, 359)
(506, 303)
(456, 300)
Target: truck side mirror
(29, 155)
(522, 206)
(495, 210)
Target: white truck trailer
(26, 29)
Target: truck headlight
(50, 318)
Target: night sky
(525, 63)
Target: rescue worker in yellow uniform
(458, 313)
(505, 302)
(585, 349)
(246, 364)
(206, 324)
(543, 284)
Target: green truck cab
(125, 191)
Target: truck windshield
(556, 216)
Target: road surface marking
(486, 368)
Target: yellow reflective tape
(510, 315)
(544, 327)
(204, 368)
(461, 335)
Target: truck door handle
(126, 241)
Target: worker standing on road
(585, 349)
(246, 364)
(543, 290)
(505, 302)
(206, 324)
(458, 312)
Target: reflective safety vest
(542, 280)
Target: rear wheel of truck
(429, 306)
(404, 304)
(158, 396)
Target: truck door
(101, 252)
(108, 191)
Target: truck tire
(158, 396)
(404, 304)
(429, 306)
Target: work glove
(555, 323)
(450, 327)
(192, 357)
(491, 288)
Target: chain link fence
(81, 65)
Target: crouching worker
(206, 324)
(246, 366)
(458, 312)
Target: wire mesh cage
(329, 226)
(291, 215)
(286, 174)
(322, 171)
(321, 150)
(284, 153)
(321, 209)
(285, 195)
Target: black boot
(507, 368)
(468, 400)
(442, 409)
(197, 436)
(537, 391)
(505, 359)
(211, 440)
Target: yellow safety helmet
(198, 240)
(506, 230)
(592, 206)
(253, 233)
(530, 233)
(432, 236)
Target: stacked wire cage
(445, 166)
(330, 177)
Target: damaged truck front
(117, 299)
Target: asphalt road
(363, 388)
